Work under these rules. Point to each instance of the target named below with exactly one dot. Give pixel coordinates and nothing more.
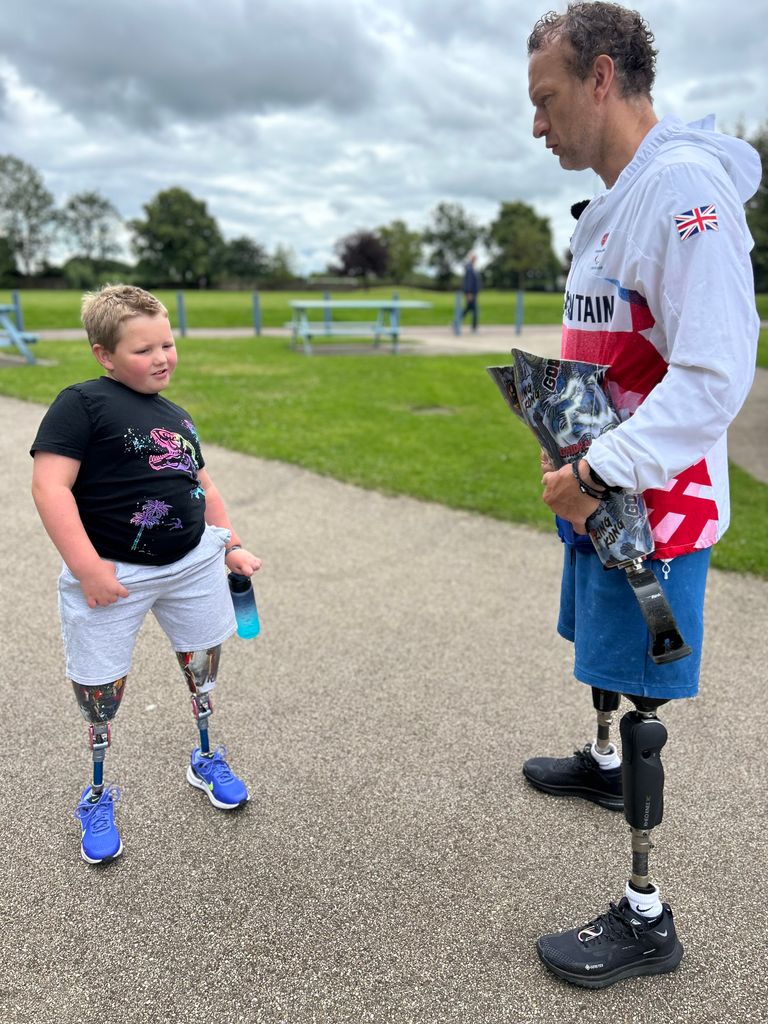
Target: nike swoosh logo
(663, 934)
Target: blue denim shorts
(600, 615)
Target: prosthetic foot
(582, 774)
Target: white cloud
(299, 121)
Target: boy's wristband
(596, 478)
(231, 548)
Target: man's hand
(100, 585)
(562, 494)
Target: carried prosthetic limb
(643, 737)
(98, 706)
(200, 669)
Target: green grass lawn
(432, 427)
(49, 310)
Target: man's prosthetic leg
(643, 737)
(98, 706)
(605, 702)
(208, 770)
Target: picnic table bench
(386, 322)
(11, 335)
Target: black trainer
(579, 775)
(618, 944)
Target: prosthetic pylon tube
(98, 706)
(200, 669)
(605, 703)
(642, 739)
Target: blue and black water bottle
(244, 601)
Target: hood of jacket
(739, 160)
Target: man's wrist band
(596, 478)
(231, 548)
(585, 488)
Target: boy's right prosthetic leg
(98, 706)
(605, 703)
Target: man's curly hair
(598, 28)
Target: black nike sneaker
(618, 944)
(579, 775)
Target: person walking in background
(661, 291)
(470, 286)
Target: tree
(89, 221)
(243, 260)
(403, 249)
(757, 215)
(520, 242)
(178, 243)
(27, 213)
(280, 267)
(7, 260)
(451, 234)
(361, 254)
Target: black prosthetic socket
(605, 703)
(642, 737)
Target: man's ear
(604, 73)
(103, 356)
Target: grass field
(49, 310)
(434, 428)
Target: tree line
(178, 242)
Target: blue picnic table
(385, 323)
(11, 334)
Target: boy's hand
(242, 561)
(101, 586)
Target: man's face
(564, 114)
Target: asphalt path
(392, 866)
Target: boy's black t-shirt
(137, 489)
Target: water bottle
(244, 601)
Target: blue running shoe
(213, 775)
(101, 840)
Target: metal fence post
(327, 313)
(519, 303)
(181, 313)
(458, 303)
(16, 299)
(256, 315)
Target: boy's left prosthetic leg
(208, 770)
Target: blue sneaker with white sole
(100, 839)
(212, 774)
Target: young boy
(119, 484)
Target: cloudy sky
(298, 121)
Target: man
(661, 290)
(470, 285)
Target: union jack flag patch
(692, 222)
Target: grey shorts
(189, 598)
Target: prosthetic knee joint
(200, 669)
(98, 706)
(642, 738)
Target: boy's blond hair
(103, 312)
